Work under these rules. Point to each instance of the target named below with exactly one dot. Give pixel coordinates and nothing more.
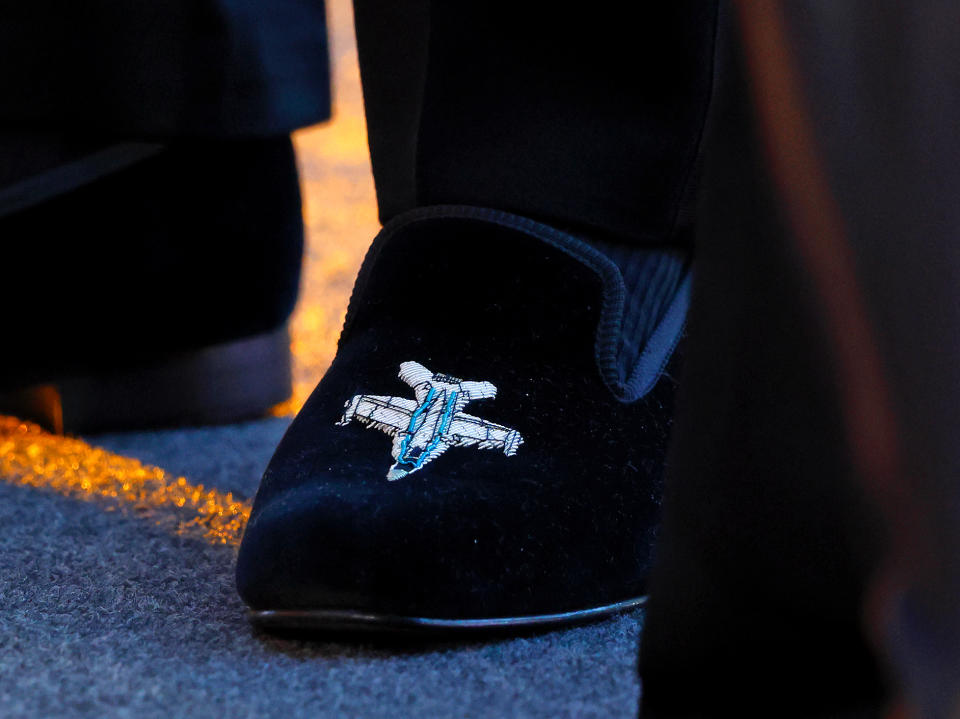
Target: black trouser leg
(757, 574)
(582, 119)
(816, 430)
(163, 70)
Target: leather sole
(213, 385)
(338, 620)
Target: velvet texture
(198, 245)
(567, 523)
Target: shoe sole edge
(228, 382)
(342, 620)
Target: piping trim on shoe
(424, 428)
(643, 375)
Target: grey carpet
(108, 614)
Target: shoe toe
(438, 547)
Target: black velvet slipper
(478, 455)
(147, 290)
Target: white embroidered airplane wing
(418, 377)
(469, 431)
(388, 414)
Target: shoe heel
(213, 385)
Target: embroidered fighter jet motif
(425, 428)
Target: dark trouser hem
(584, 121)
(166, 69)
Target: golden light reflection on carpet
(32, 457)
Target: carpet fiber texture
(104, 612)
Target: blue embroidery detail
(412, 427)
(444, 425)
(438, 432)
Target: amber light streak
(31, 457)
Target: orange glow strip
(32, 457)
